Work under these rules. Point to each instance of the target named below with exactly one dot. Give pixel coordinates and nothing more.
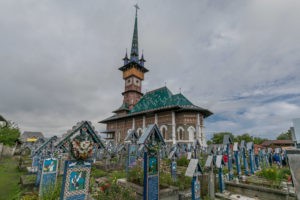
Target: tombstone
(244, 157)
(172, 156)
(219, 164)
(44, 151)
(256, 158)
(81, 140)
(132, 147)
(151, 140)
(227, 141)
(194, 170)
(48, 176)
(35, 163)
(196, 146)
(251, 156)
(236, 151)
(277, 156)
(211, 183)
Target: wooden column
(173, 128)
(133, 123)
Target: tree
(245, 137)
(9, 134)
(258, 140)
(218, 137)
(285, 136)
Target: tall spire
(134, 55)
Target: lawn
(9, 179)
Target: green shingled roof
(160, 98)
(123, 107)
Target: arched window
(163, 130)
(180, 133)
(191, 130)
(139, 132)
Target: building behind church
(179, 120)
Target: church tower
(133, 72)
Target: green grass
(9, 179)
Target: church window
(180, 133)
(163, 130)
(139, 132)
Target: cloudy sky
(239, 59)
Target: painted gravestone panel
(76, 180)
(196, 188)
(132, 155)
(153, 166)
(219, 161)
(35, 163)
(173, 169)
(152, 140)
(208, 162)
(49, 174)
(153, 189)
(190, 171)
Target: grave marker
(48, 176)
(219, 165)
(244, 156)
(80, 143)
(236, 151)
(251, 157)
(227, 140)
(151, 140)
(173, 165)
(194, 170)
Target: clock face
(137, 82)
(129, 81)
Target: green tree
(245, 137)
(258, 140)
(9, 134)
(218, 137)
(285, 136)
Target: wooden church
(179, 120)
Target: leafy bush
(274, 174)
(9, 136)
(116, 192)
(97, 173)
(183, 161)
(136, 175)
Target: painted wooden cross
(172, 156)
(251, 156)
(194, 170)
(151, 141)
(227, 141)
(79, 143)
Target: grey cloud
(59, 59)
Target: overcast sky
(59, 60)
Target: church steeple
(134, 55)
(133, 71)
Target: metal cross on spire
(136, 8)
(134, 55)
